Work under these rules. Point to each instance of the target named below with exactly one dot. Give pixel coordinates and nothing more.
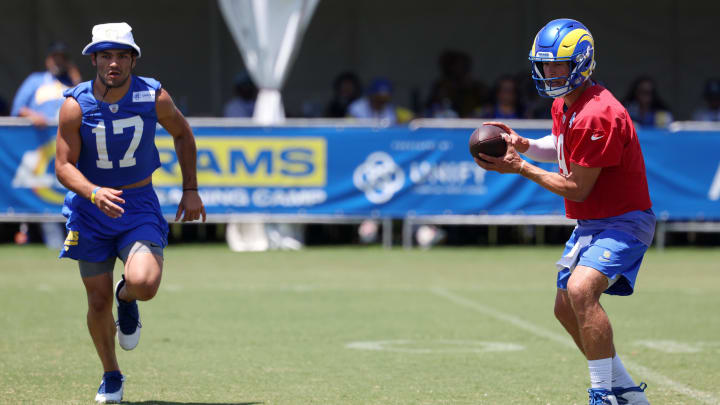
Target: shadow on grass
(152, 402)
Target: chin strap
(107, 89)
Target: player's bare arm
(575, 187)
(68, 145)
(175, 123)
(540, 150)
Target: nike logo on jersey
(596, 137)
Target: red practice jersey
(596, 131)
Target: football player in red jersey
(602, 178)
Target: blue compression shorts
(616, 254)
(94, 236)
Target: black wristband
(190, 189)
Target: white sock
(620, 376)
(601, 373)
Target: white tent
(268, 34)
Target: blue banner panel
(389, 172)
(27, 171)
(683, 170)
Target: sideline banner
(388, 172)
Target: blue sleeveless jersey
(118, 139)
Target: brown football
(488, 140)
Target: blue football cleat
(599, 396)
(128, 320)
(111, 388)
(631, 395)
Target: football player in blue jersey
(105, 156)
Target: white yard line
(704, 397)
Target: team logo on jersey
(113, 108)
(72, 239)
(605, 256)
(143, 96)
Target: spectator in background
(378, 104)
(505, 101)
(537, 107)
(455, 88)
(645, 106)
(346, 89)
(41, 94)
(39, 99)
(440, 103)
(711, 111)
(244, 94)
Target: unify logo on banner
(447, 177)
(380, 177)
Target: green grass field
(447, 326)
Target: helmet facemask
(579, 63)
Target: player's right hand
(520, 144)
(107, 200)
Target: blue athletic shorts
(616, 254)
(94, 236)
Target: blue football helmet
(562, 40)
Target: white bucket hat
(111, 36)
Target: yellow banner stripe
(249, 162)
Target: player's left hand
(192, 205)
(510, 163)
